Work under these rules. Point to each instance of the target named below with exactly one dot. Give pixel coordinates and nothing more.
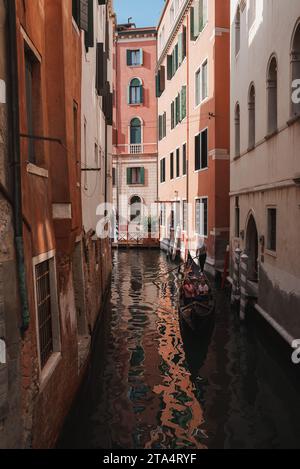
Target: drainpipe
(16, 160)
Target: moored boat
(197, 312)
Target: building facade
(96, 151)
(135, 131)
(193, 109)
(265, 165)
(48, 261)
(10, 307)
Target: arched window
(237, 122)
(272, 95)
(237, 31)
(135, 209)
(135, 131)
(135, 91)
(251, 109)
(295, 63)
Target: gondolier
(201, 252)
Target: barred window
(43, 293)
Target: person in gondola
(189, 291)
(201, 253)
(203, 288)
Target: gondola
(199, 314)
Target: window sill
(201, 170)
(135, 66)
(37, 170)
(271, 135)
(271, 253)
(136, 184)
(49, 369)
(293, 120)
(135, 104)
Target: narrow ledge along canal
(152, 384)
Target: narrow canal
(152, 384)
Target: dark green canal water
(152, 384)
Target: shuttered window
(178, 163)
(172, 115)
(199, 18)
(89, 33)
(272, 229)
(134, 57)
(183, 103)
(135, 176)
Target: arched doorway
(135, 209)
(252, 249)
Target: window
(201, 150)
(204, 87)
(114, 176)
(183, 103)
(177, 109)
(135, 132)
(135, 176)
(295, 63)
(178, 163)
(162, 126)
(272, 96)
(251, 110)
(202, 216)
(172, 166)
(47, 307)
(272, 229)
(199, 18)
(237, 217)
(201, 86)
(184, 162)
(237, 126)
(237, 31)
(32, 72)
(134, 57)
(135, 92)
(163, 170)
(184, 215)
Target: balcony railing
(135, 149)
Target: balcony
(135, 149)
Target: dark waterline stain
(152, 384)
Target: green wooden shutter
(165, 124)
(205, 12)
(169, 67)
(141, 94)
(84, 15)
(183, 102)
(89, 35)
(183, 42)
(157, 85)
(180, 49)
(197, 18)
(142, 172)
(192, 16)
(129, 176)
(172, 115)
(159, 128)
(162, 79)
(128, 53)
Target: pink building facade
(135, 130)
(193, 109)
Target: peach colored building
(135, 128)
(193, 108)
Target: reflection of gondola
(195, 347)
(198, 314)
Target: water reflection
(153, 384)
